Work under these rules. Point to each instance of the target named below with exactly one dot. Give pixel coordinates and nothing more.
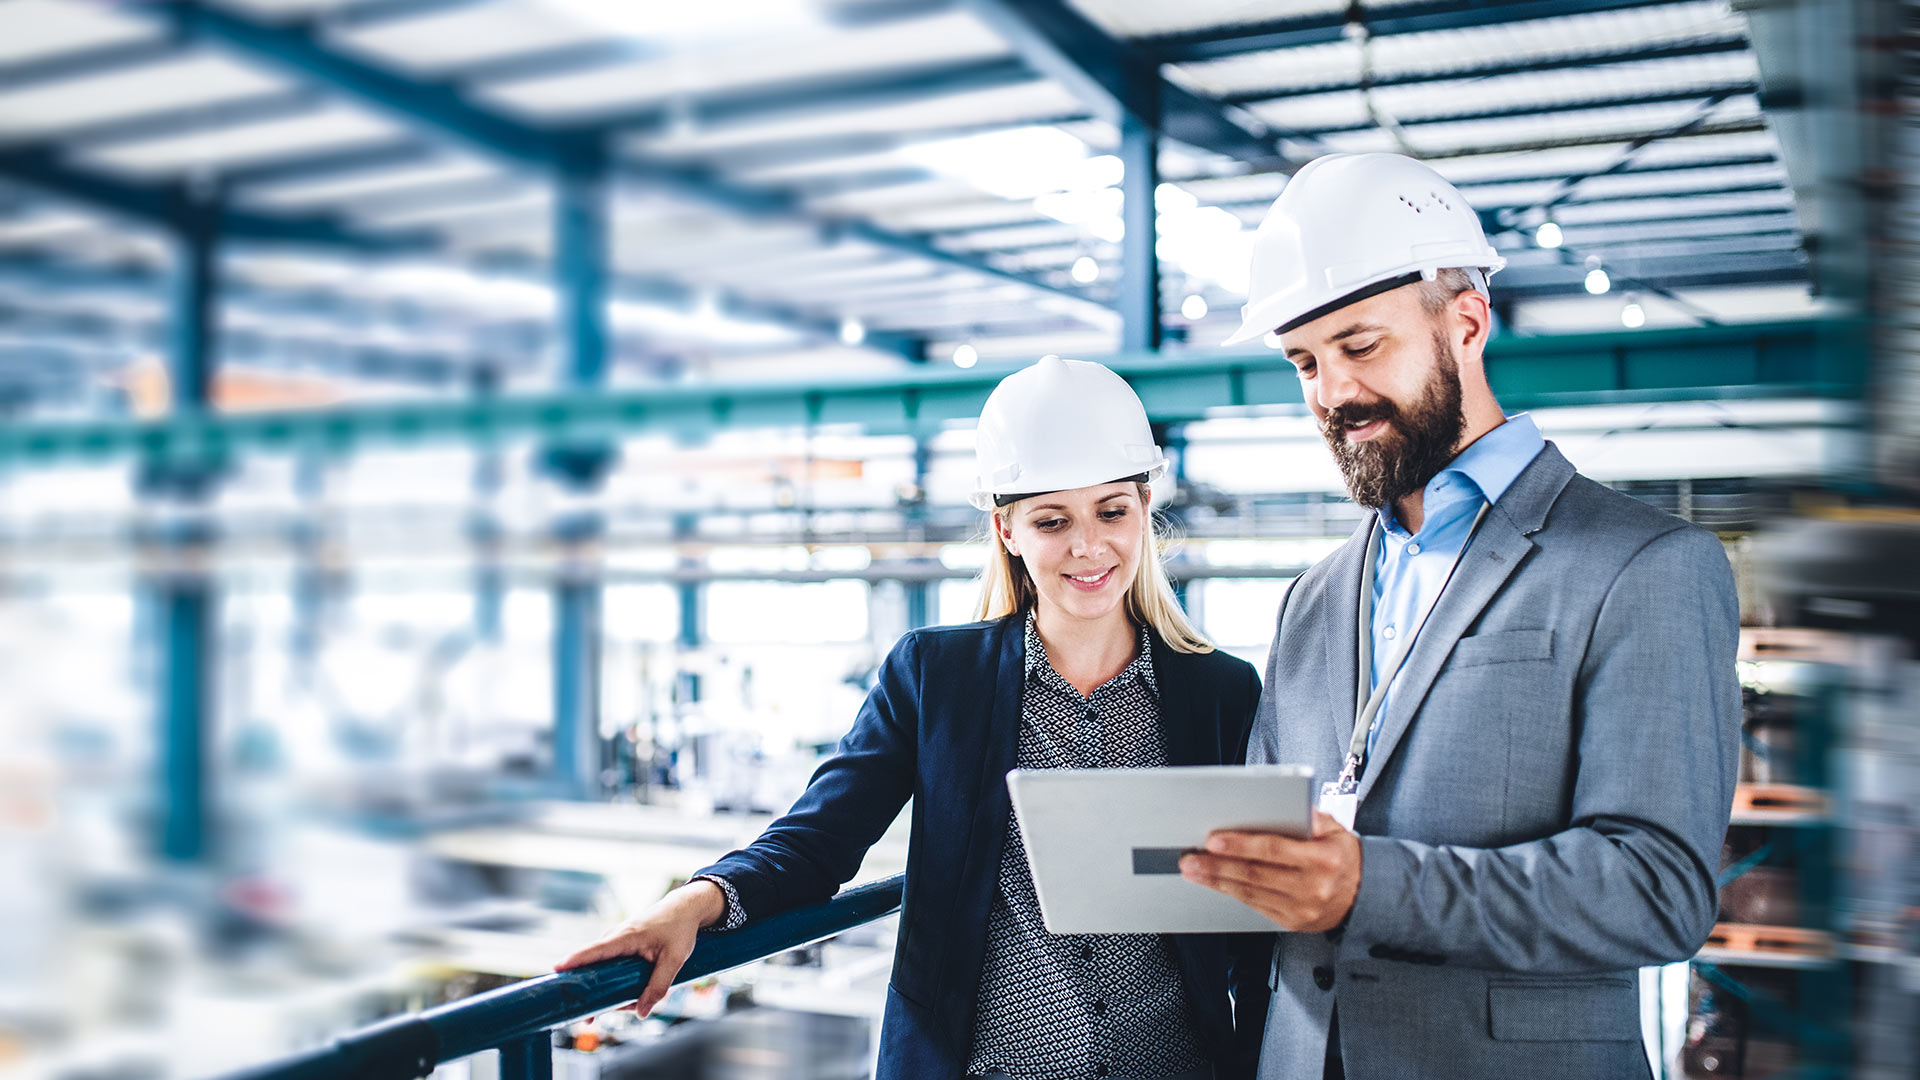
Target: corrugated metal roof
(799, 165)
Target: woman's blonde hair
(1007, 588)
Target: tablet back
(1105, 844)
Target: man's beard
(1413, 447)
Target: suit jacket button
(1380, 952)
(1323, 978)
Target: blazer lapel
(1002, 747)
(1186, 742)
(987, 830)
(1342, 597)
(1490, 559)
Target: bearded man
(1523, 681)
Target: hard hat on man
(1350, 226)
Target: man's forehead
(1375, 314)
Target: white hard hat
(1349, 226)
(1063, 424)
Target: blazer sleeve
(1631, 881)
(853, 797)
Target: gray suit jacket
(1545, 806)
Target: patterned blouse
(1070, 1007)
(1064, 1007)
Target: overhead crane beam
(1802, 358)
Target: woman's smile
(1091, 582)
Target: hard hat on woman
(1064, 424)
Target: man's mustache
(1341, 417)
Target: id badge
(1339, 805)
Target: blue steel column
(529, 1057)
(1173, 441)
(919, 593)
(580, 265)
(185, 608)
(483, 524)
(1140, 264)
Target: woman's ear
(1003, 529)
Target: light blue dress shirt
(1412, 567)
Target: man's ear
(1472, 319)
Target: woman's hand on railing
(664, 933)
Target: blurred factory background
(462, 461)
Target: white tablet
(1105, 844)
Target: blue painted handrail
(403, 1047)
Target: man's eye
(1363, 351)
(1305, 371)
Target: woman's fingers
(615, 944)
(665, 967)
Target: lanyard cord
(1367, 694)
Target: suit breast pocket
(1501, 647)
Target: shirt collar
(1141, 668)
(1490, 465)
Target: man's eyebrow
(1356, 328)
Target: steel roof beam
(104, 60)
(444, 109)
(1117, 81)
(332, 164)
(1635, 55)
(155, 204)
(1320, 28)
(201, 119)
(1532, 109)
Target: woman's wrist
(705, 901)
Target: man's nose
(1335, 387)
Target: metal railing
(516, 1019)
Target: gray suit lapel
(1495, 553)
(1342, 596)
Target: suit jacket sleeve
(1249, 956)
(805, 856)
(1631, 881)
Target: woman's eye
(1049, 524)
(1113, 515)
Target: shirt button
(1413, 549)
(1323, 978)
(1100, 1008)
(1099, 1070)
(1389, 633)
(1086, 952)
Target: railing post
(529, 1057)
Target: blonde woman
(1082, 659)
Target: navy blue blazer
(943, 726)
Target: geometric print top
(1069, 1007)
